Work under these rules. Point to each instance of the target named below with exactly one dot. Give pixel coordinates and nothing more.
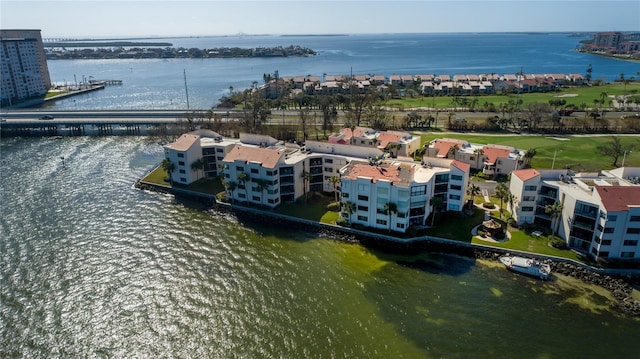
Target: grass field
(576, 152)
(572, 96)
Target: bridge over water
(53, 123)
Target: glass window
(530, 188)
(456, 177)
(630, 242)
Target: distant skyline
(148, 18)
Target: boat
(526, 266)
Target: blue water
(159, 83)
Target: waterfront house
(182, 153)
(600, 213)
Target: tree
(528, 156)
(478, 152)
(614, 149)
(452, 151)
(261, 185)
(197, 165)
(472, 191)
(231, 186)
(502, 193)
(436, 203)
(554, 211)
(349, 208)
(588, 73)
(243, 178)
(389, 208)
(334, 181)
(168, 167)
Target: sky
(142, 18)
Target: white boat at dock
(526, 266)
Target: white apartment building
(182, 154)
(600, 211)
(24, 70)
(369, 189)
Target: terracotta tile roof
(267, 157)
(443, 145)
(385, 138)
(184, 142)
(526, 174)
(461, 165)
(492, 154)
(395, 174)
(619, 198)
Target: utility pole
(186, 89)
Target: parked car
(46, 117)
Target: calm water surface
(92, 267)
(159, 83)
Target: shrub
(488, 205)
(334, 206)
(558, 243)
(341, 221)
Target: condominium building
(491, 159)
(397, 195)
(396, 143)
(600, 211)
(24, 66)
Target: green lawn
(575, 152)
(573, 96)
(205, 185)
(314, 209)
(523, 241)
(157, 176)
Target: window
(456, 177)
(180, 163)
(269, 173)
(220, 158)
(328, 160)
(256, 198)
(418, 190)
(226, 175)
(183, 171)
(499, 162)
(530, 188)
(363, 208)
(363, 218)
(400, 225)
(242, 195)
(381, 221)
(528, 198)
(630, 242)
(454, 196)
(401, 214)
(384, 192)
(633, 230)
(442, 177)
(454, 207)
(328, 169)
(455, 187)
(527, 209)
(363, 187)
(634, 219)
(239, 168)
(255, 170)
(606, 242)
(363, 198)
(345, 195)
(627, 254)
(180, 155)
(608, 230)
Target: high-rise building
(24, 66)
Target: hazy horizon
(145, 18)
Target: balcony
(592, 214)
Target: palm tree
(197, 165)
(528, 156)
(436, 203)
(478, 152)
(334, 181)
(502, 191)
(231, 186)
(306, 176)
(452, 151)
(349, 208)
(390, 207)
(243, 178)
(168, 167)
(554, 211)
(472, 191)
(261, 185)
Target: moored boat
(526, 266)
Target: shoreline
(620, 284)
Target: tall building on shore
(24, 66)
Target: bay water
(160, 83)
(92, 267)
